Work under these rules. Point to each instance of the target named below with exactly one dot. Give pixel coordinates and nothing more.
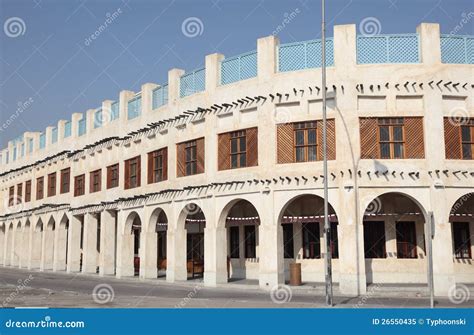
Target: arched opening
(48, 245)
(242, 222)
(394, 240)
(36, 245)
(61, 243)
(26, 243)
(156, 253)
(17, 245)
(461, 217)
(136, 230)
(2, 243)
(195, 222)
(9, 243)
(302, 221)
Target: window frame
(391, 123)
(28, 191)
(237, 136)
(95, 184)
(408, 241)
(113, 171)
(136, 176)
(457, 253)
(192, 162)
(39, 190)
(470, 126)
(370, 253)
(65, 180)
(52, 180)
(305, 127)
(309, 253)
(79, 185)
(155, 167)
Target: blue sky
(53, 64)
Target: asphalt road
(23, 288)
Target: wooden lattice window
(157, 165)
(79, 185)
(52, 184)
(112, 176)
(65, 180)
(39, 188)
(95, 181)
(132, 172)
(467, 140)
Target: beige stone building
(218, 173)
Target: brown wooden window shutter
(452, 139)
(368, 138)
(200, 149)
(150, 178)
(223, 143)
(180, 160)
(285, 144)
(139, 171)
(331, 139)
(165, 163)
(127, 174)
(414, 138)
(252, 146)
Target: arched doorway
(17, 245)
(461, 217)
(36, 245)
(302, 221)
(242, 222)
(48, 245)
(394, 240)
(131, 244)
(8, 243)
(61, 244)
(156, 244)
(26, 243)
(195, 222)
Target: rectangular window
(28, 191)
(65, 180)
(462, 240)
(39, 188)
(19, 193)
(391, 138)
(334, 241)
(374, 239)
(132, 173)
(234, 242)
(52, 184)
(157, 164)
(112, 176)
(42, 141)
(467, 141)
(311, 240)
(250, 242)
(406, 239)
(191, 157)
(95, 181)
(238, 149)
(305, 135)
(79, 185)
(11, 196)
(288, 247)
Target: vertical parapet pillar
(75, 124)
(430, 46)
(147, 97)
(174, 80)
(213, 71)
(345, 47)
(106, 112)
(267, 57)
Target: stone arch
(394, 238)
(301, 219)
(461, 218)
(241, 221)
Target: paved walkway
(23, 288)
